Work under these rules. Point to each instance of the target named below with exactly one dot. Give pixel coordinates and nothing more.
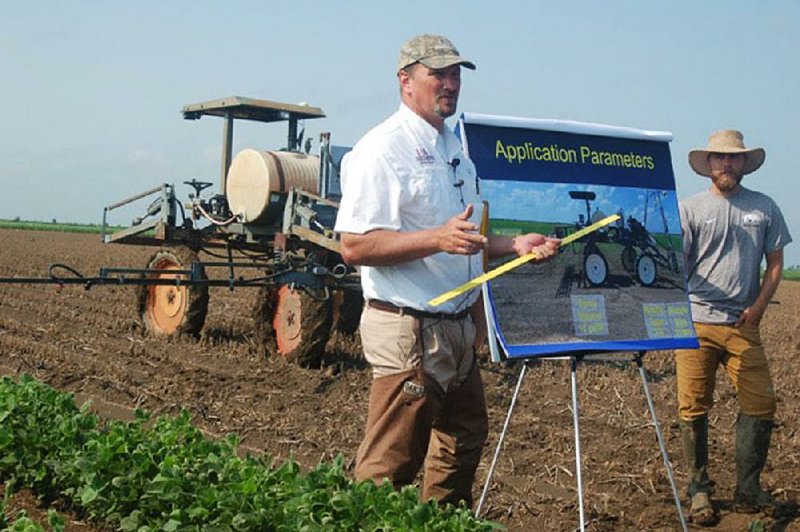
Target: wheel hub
(167, 303)
(288, 319)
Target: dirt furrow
(93, 344)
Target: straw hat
(726, 141)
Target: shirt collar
(428, 133)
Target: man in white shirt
(410, 198)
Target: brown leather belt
(421, 314)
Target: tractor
(272, 218)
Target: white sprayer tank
(258, 180)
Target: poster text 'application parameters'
(582, 155)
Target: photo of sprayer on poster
(620, 287)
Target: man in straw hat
(409, 198)
(727, 230)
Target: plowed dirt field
(92, 343)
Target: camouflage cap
(433, 51)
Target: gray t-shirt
(724, 240)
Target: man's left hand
(546, 251)
(545, 247)
(750, 316)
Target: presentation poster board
(619, 289)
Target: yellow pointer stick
(510, 265)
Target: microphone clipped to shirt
(454, 163)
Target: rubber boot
(694, 435)
(753, 436)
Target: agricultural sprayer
(269, 226)
(641, 252)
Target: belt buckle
(414, 389)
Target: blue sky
(540, 202)
(93, 89)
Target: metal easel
(574, 359)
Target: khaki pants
(741, 353)
(426, 405)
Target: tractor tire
(595, 267)
(262, 319)
(628, 258)
(173, 310)
(347, 306)
(646, 270)
(292, 323)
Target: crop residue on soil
(91, 342)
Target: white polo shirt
(403, 176)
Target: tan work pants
(426, 405)
(741, 353)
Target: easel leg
(664, 455)
(574, 379)
(500, 441)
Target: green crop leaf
(171, 525)
(87, 494)
(131, 522)
(55, 521)
(6, 436)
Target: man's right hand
(382, 247)
(459, 236)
